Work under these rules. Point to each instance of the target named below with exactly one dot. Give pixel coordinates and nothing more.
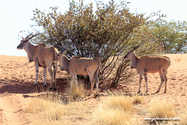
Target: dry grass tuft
(50, 107)
(114, 110)
(114, 116)
(138, 99)
(183, 117)
(116, 101)
(77, 92)
(161, 109)
(55, 113)
(37, 106)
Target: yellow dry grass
(116, 101)
(114, 110)
(114, 116)
(161, 109)
(50, 109)
(48, 106)
(76, 91)
(183, 116)
(137, 99)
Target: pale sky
(15, 16)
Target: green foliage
(106, 33)
(171, 35)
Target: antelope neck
(66, 63)
(30, 49)
(134, 61)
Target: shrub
(106, 33)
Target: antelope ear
(63, 50)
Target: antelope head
(130, 53)
(25, 41)
(61, 54)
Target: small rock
(183, 95)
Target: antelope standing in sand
(80, 66)
(42, 56)
(149, 64)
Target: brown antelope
(42, 56)
(149, 64)
(80, 66)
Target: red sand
(16, 86)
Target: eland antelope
(80, 66)
(42, 56)
(149, 64)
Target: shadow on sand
(15, 87)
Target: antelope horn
(28, 35)
(136, 47)
(33, 36)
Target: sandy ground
(17, 79)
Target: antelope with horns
(42, 56)
(80, 66)
(149, 64)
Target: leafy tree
(171, 35)
(106, 33)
